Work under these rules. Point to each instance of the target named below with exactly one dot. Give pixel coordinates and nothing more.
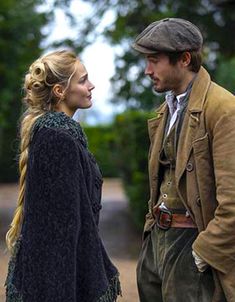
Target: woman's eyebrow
(84, 75)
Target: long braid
(55, 68)
(16, 223)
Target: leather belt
(166, 219)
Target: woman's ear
(58, 91)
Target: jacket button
(198, 201)
(189, 167)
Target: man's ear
(58, 91)
(186, 58)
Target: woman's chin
(88, 105)
(85, 106)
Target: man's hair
(196, 59)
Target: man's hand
(200, 263)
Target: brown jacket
(205, 175)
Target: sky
(98, 59)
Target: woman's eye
(82, 80)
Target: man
(188, 252)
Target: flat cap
(168, 35)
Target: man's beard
(159, 93)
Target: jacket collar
(199, 91)
(158, 121)
(156, 128)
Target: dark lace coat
(59, 256)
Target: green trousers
(166, 270)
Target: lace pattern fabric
(62, 205)
(60, 120)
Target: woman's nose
(91, 86)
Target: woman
(57, 253)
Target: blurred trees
(225, 74)
(132, 144)
(20, 38)
(102, 143)
(21, 35)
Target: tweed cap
(168, 35)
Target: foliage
(21, 35)
(225, 75)
(132, 144)
(101, 141)
(131, 17)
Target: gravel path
(119, 235)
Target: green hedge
(8, 154)
(225, 75)
(101, 140)
(132, 146)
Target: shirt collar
(180, 97)
(170, 99)
(170, 96)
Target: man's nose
(148, 70)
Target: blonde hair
(54, 68)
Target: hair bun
(37, 71)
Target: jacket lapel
(191, 123)
(156, 128)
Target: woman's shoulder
(56, 126)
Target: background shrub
(101, 141)
(132, 144)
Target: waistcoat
(168, 193)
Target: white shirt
(174, 106)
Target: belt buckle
(162, 222)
